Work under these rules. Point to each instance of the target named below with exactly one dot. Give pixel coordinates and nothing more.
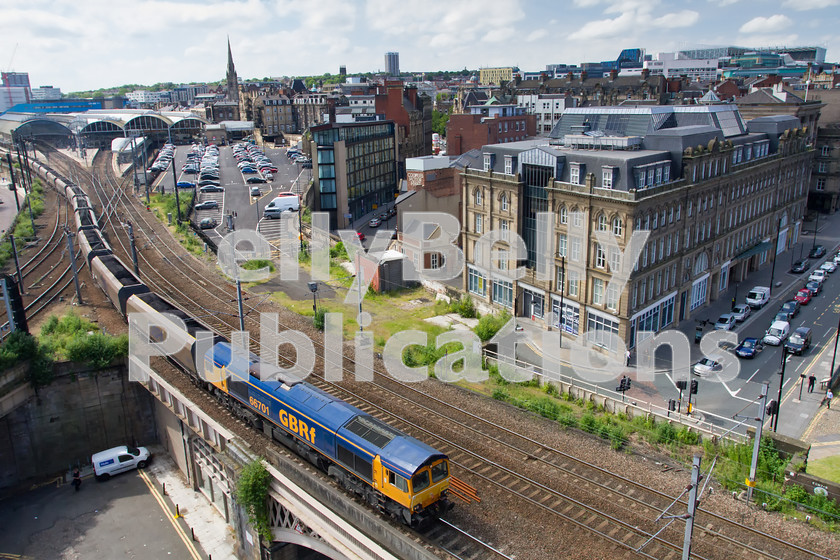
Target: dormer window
(488, 162)
(607, 178)
(508, 165)
(576, 171)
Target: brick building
(489, 123)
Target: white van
(282, 204)
(119, 459)
(777, 333)
(758, 296)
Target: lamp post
(775, 252)
(781, 386)
(816, 227)
(834, 354)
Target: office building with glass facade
(355, 170)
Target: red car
(803, 296)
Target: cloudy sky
(90, 44)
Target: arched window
(602, 223)
(564, 215)
(504, 202)
(478, 197)
(618, 226)
(701, 264)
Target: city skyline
(94, 45)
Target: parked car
(208, 223)
(255, 191)
(803, 296)
(815, 288)
(818, 276)
(836, 259)
(706, 366)
(817, 252)
(185, 184)
(781, 316)
(375, 222)
(119, 459)
(777, 333)
(799, 341)
(758, 296)
(255, 179)
(791, 308)
(725, 322)
(207, 205)
(828, 266)
(212, 188)
(741, 312)
(748, 348)
(800, 266)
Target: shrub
(501, 395)
(464, 307)
(320, 318)
(338, 251)
(489, 325)
(256, 264)
(588, 423)
(252, 492)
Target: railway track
(531, 491)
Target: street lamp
(816, 227)
(785, 356)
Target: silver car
(741, 312)
(725, 322)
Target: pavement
(127, 516)
(801, 418)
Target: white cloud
(801, 6)
(770, 24)
(685, 18)
(536, 35)
(725, 2)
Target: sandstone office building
(713, 192)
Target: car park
(207, 205)
(741, 312)
(800, 266)
(828, 266)
(706, 366)
(119, 459)
(799, 341)
(725, 322)
(817, 252)
(803, 296)
(817, 276)
(791, 308)
(375, 222)
(212, 188)
(777, 333)
(749, 347)
(815, 288)
(208, 223)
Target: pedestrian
(811, 381)
(77, 479)
(828, 396)
(733, 304)
(627, 358)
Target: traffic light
(693, 386)
(682, 385)
(672, 405)
(772, 407)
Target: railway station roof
(113, 119)
(25, 125)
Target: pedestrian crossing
(273, 230)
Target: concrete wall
(80, 413)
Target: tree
(440, 120)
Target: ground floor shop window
(599, 329)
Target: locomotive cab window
(420, 481)
(397, 481)
(440, 471)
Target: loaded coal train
(394, 472)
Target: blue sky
(90, 44)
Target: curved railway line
(715, 536)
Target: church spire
(232, 82)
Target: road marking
(178, 529)
(753, 375)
